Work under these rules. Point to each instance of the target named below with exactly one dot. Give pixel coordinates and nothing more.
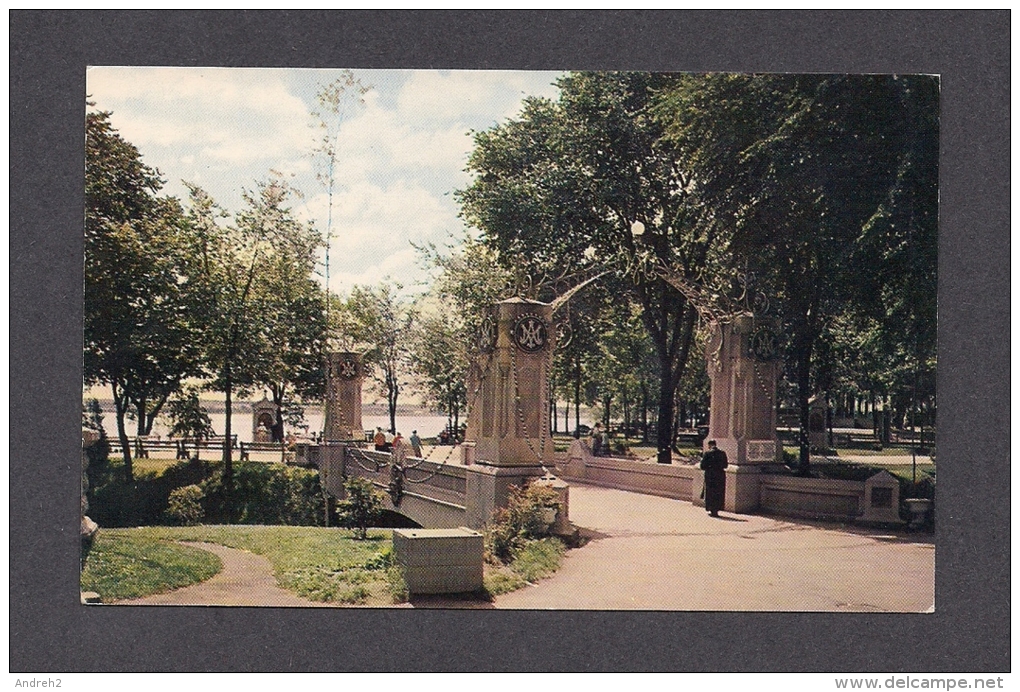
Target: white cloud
(221, 128)
(236, 114)
(401, 155)
(471, 96)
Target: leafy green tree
(825, 180)
(290, 301)
(577, 173)
(378, 321)
(188, 418)
(229, 260)
(438, 355)
(361, 507)
(263, 308)
(140, 332)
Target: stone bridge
(508, 441)
(433, 494)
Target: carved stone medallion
(531, 333)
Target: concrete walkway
(245, 580)
(652, 553)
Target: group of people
(396, 445)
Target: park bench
(249, 447)
(143, 444)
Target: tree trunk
(664, 426)
(278, 391)
(392, 392)
(120, 404)
(140, 417)
(803, 394)
(644, 411)
(577, 396)
(228, 461)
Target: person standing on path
(714, 464)
(416, 443)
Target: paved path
(652, 553)
(245, 580)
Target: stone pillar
(509, 417)
(743, 370)
(344, 373)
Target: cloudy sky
(402, 151)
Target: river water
(427, 425)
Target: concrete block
(439, 560)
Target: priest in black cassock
(714, 464)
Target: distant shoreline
(243, 407)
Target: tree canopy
(140, 304)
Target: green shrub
(185, 505)
(259, 494)
(114, 502)
(520, 521)
(361, 508)
(262, 493)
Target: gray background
(50, 632)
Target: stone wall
(665, 480)
(873, 501)
(813, 498)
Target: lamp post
(664, 454)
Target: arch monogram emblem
(763, 343)
(348, 368)
(487, 334)
(530, 334)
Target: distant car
(582, 430)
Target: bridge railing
(427, 480)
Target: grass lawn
(125, 564)
(886, 451)
(906, 471)
(317, 563)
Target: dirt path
(245, 580)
